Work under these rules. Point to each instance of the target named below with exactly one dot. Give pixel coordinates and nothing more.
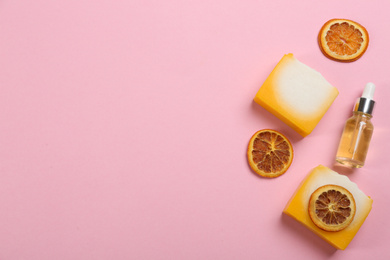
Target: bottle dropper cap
(366, 103)
(369, 91)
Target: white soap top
(303, 89)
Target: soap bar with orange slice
(296, 94)
(330, 205)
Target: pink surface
(125, 126)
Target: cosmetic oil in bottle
(358, 130)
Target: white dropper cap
(369, 91)
(366, 103)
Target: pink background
(124, 128)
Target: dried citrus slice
(270, 153)
(343, 40)
(332, 207)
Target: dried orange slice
(270, 153)
(332, 208)
(343, 40)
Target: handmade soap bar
(297, 207)
(297, 94)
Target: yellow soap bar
(296, 94)
(297, 207)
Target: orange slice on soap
(332, 208)
(269, 153)
(343, 40)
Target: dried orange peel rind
(332, 208)
(269, 153)
(343, 40)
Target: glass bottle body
(355, 140)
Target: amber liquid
(355, 140)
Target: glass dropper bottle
(357, 133)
